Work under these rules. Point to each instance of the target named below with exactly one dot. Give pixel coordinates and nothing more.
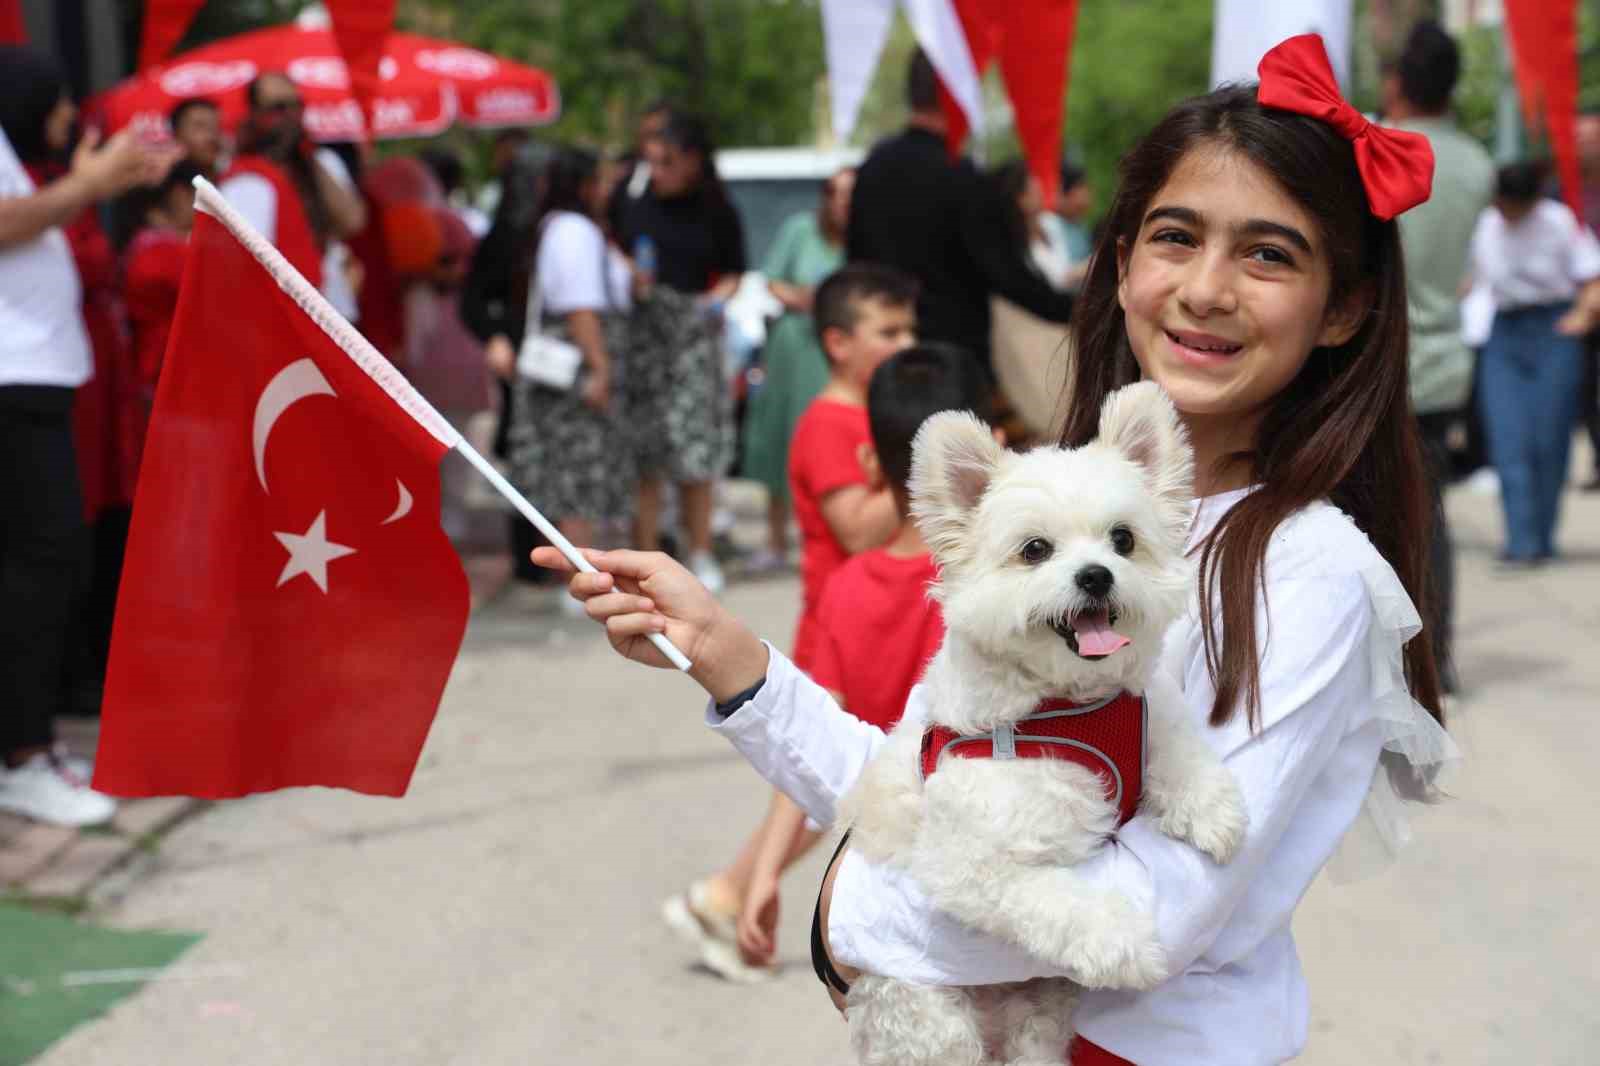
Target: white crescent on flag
(296, 381)
(403, 507)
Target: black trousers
(1434, 428)
(41, 553)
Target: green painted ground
(53, 973)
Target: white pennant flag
(853, 35)
(1244, 30)
(938, 31)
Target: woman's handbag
(545, 360)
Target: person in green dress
(809, 247)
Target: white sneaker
(78, 770)
(1485, 481)
(714, 934)
(765, 561)
(43, 790)
(707, 572)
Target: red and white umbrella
(425, 86)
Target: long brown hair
(1342, 430)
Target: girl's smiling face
(1225, 292)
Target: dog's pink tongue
(1095, 635)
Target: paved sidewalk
(61, 867)
(505, 910)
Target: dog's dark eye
(1122, 540)
(1037, 550)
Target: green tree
(1131, 61)
(214, 21)
(749, 66)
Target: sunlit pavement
(505, 911)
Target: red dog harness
(1107, 736)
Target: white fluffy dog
(1060, 572)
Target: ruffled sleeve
(1418, 755)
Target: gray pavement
(505, 910)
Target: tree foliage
(755, 68)
(1131, 61)
(751, 67)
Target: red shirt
(294, 237)
(877, 629)
(822, 459)
(153, 273)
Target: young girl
(1252, 267)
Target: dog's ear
(1139, 421)
(953, 459)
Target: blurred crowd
(594, 320)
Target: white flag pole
(390, 380)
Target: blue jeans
(1528, 397)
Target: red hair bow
(1396, 166)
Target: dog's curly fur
(992, 842)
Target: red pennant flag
(1544, 49)
(290, 608)
(1033, 41)
(165, 23)
(362, 27)
(12, 31)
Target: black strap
(819, 950)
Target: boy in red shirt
(876, 627)
(863, 314)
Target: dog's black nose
(1095, 580)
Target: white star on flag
(310, 553)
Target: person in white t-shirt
(555, 273)
(44, 357)
(1542, 267)
(1261, 285)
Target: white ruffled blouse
(1338, 729)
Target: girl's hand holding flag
(639, 594)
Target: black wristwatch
(733, 703)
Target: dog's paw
(1119, 949)
(1210, 814)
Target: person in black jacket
(940, 222)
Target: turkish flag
(290, 608)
